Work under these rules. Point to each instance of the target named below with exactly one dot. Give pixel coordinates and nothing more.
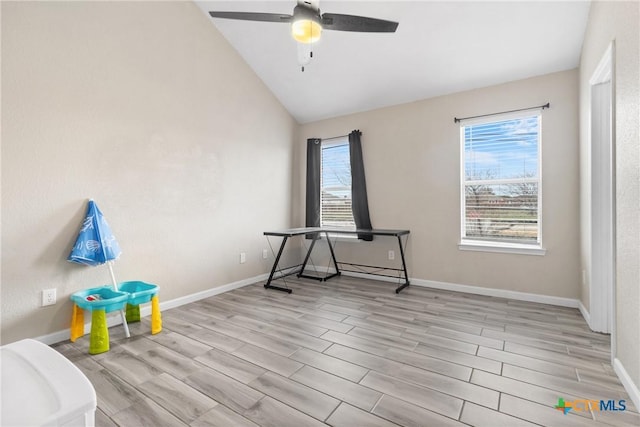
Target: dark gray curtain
(360, 203)
(314, 157)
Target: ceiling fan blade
(339, 22)
(252, 16)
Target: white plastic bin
(40, 387)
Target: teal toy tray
(102, 298)
(139, 292)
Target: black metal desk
(315, 233)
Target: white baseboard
(113, 319)
(146, 310)
(477, 290)
(500, 293)
(585, 313)
(627, 382)
(56, 337)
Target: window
(335, 185)
(500, 191)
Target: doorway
(602, 143)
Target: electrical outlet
(48, 297)
(392, 255)
(243, 257)
(265, 254)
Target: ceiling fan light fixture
(305, 26)
(306, 31)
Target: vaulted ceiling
(440, 47)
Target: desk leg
(268, 285)
(404, 266)
(307, 256)
(306, 260)
(333, 258)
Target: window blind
(335, 187)
(501, 183)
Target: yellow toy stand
(99, 301)
(103, 300)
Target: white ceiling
(440, 47)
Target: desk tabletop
(293, 231)
(372, 232)
(308, 230)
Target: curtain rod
(457, 120)
(334, 137)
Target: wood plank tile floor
(351, 352)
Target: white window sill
(507, 248)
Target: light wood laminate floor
(351, 352)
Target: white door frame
(602, 208)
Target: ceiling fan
(307, 24)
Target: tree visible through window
(335, 186)
(501, 182)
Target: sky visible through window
(502, 150)
(336, 170)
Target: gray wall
(412, 164)
(144, 107)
